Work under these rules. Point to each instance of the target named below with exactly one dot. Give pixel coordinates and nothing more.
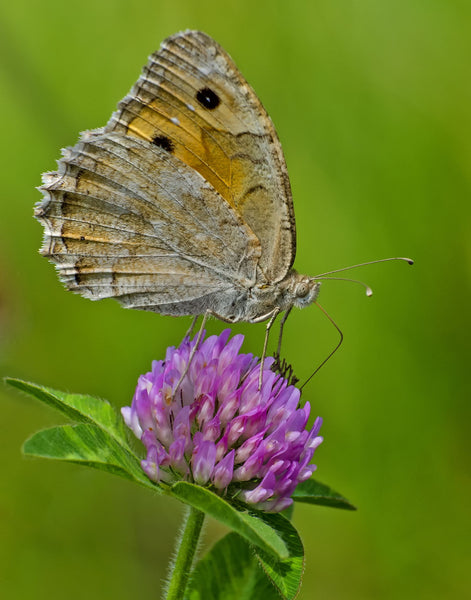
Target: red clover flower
(219, 430)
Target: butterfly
(182, 203)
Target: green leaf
(88, 445)
(250, 527)
(314, 492)
(98, 441)
(230, 571)
(77, 407)
(286, 575)
(288, 512)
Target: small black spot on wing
(208, 98)
(254, 189)
(163, 142)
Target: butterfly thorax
(294, 290)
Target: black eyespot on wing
(208, 99)
(163, 142)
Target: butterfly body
(181, 204)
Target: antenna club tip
(369, 292)
(408, 260)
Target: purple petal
(223, 471)
(262, 492)
(235, 429)
(206, 405)
(212, 430)
(277, 505)
(156, 457)
(177, 456)
(221, 447)
(181, 427)
(248, 447)
(203, 461)
(254, 422)
(229, 353)
(228, 407)
(250, 468)
(132, 420)
(284, 405)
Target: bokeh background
(372, 102)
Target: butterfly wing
(192, 100)
(126, 219)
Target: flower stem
(185, 553)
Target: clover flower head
(218, 429)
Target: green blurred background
(372, 102)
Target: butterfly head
(302, 290)
(306, 291)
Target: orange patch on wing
(189, 142)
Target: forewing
(126, 219)
(192, 99)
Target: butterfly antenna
(370, 262)
(369, 291)
(333, 351)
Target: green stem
(185, 553)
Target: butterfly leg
(195, 347)
(192, 326)
(272, 316)
(280, 335)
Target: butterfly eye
(208, 99)
(306, 292)
(302, 290)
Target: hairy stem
(185, 552)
